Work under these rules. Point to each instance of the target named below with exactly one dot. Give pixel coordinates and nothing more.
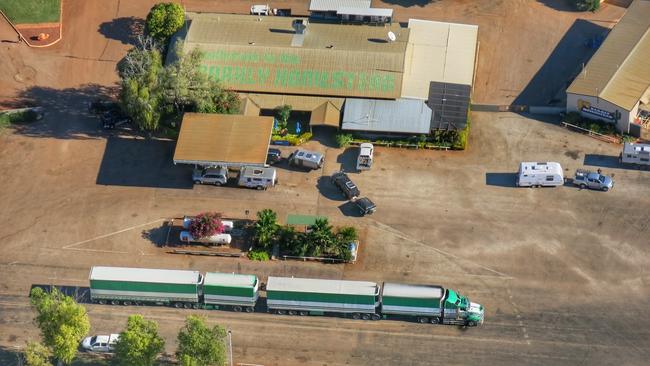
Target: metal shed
(408, 116)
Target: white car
(100, 343)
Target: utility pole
(230, 345)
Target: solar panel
(449, 104)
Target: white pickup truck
(100, 343)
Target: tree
(587, 5)
(206, 224)
(163, 20)
(266, 228)
(63, 322)
(320, 238)
(37, 354)
(283, 114)
(139, 344)
(200, 345)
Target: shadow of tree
(125, 29)
(561, 5)
(66, 111)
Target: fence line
(304, 259)
(596, 135)
(409, 146)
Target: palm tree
(266, 228)
(320, 237)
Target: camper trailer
(532, 174)
(257, 177)
(637, 154)
(364, 160)
(306, 159)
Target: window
(629, 156)
(645, 159)
(549, 178)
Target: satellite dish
(392, 36)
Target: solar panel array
(449, 104)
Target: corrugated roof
(144, 275)
(377, 12)
(254, 54)
(619, 72)
(413, 291)
(223, 139)
(437, 51)
(311, 285)
(229, 279)
(402, 116)
(334, 5)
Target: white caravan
(364, 161)
(532, 174)
(638, 154)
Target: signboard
(598, 113)
(273, 71)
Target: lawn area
(31, 11)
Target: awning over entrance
(324, 111)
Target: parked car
(345, 184)
(217, 176)
(113, 119)
(274, 156)
(306, 159)
(364, 160)
(593, 180)
(100, 343)
(365, 205)
(102, 105)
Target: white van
(532, 174)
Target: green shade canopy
(303, 219)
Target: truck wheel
(187, 305)
(605, 189)
(259, 188)
(197, 182)
(236, 308)
(195, 306)
(249, 309)
(583, 186)
(282, 312)
(365, 316)
(376, 316)
(101, 302)
(126, 303)
(471, 323)
(293, 312)
(304, 313)
(217, 184)
(435, 320)
(178, 305)
(356, 316)
(115, 302)
(423, 320)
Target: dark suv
(273, 156)
(365, 206)
(345, 184)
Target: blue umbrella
(275, 123)
(297, 128)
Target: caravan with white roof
(532, 174)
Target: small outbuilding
(226, 140)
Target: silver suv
(593, 180)
(217, 176)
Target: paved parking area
(548, 264)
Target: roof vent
(300, 25)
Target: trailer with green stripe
(428, 303)
(230, 289)
(314, 296)
(120, 285)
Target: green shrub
(5, 121)
(344, 139)
(293, 139)
(586, 5)
(258, 255)
(627, 138)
